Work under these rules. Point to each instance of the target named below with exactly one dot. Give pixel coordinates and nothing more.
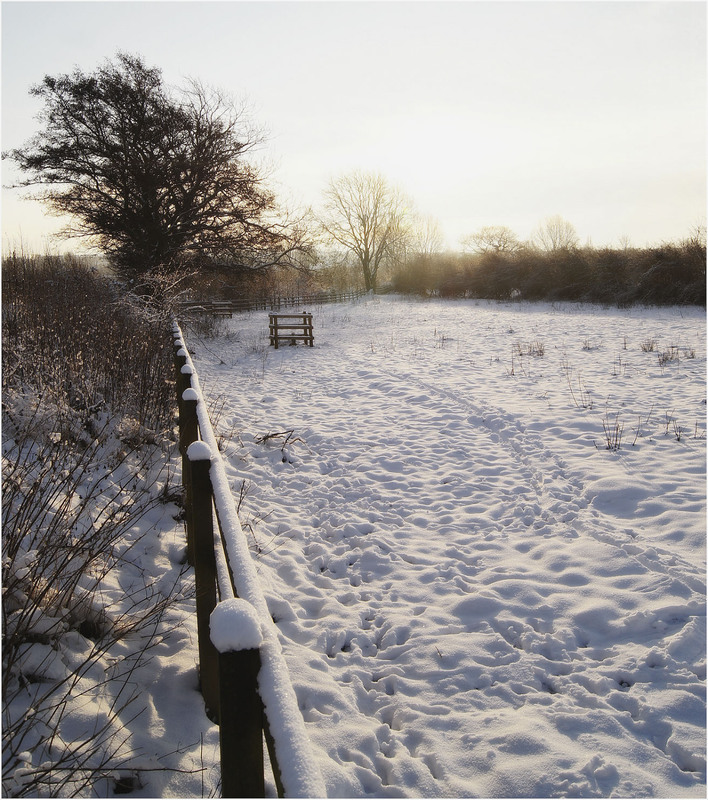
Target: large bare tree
(156, 179)
(369, 218)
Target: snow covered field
(478, 593)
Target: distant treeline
(667, 274)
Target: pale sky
(483, 113)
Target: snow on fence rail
(244, 679)
(228, 307)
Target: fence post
(188, 425)
(307, 319)
(180, 361)
(184, 379)
(241, 724)
(199, 456)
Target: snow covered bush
(72, 634)
(87, 594)
(77, 338)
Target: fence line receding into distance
(274, 303)
(243, 675)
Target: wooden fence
(290, 328)
(273, 303)
(243, 677)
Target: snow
(462, 588)
(474, 592)
(124, 705)
(198, 451)
(190, 395)
(234, 625)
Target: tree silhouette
(369, 218)
(556, 233)
(158, 181)
(492, 238)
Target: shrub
(86, 383)
(671, 274)
(70, 506)
(69, 334)
(418, 276)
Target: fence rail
(273, 303)
(243, 676)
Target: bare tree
(156, 180)
(367, 217)
(556, 233)
(427, 238)
(625, 243)
(697, 235)
(492, 238)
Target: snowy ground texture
(477, 593)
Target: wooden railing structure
(243, 676)
(273, 303)
(290, 328)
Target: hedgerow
(86, 409)
(668, 274)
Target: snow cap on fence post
(234, 625)
(190, 394)
(198, 451)
(187, 369)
